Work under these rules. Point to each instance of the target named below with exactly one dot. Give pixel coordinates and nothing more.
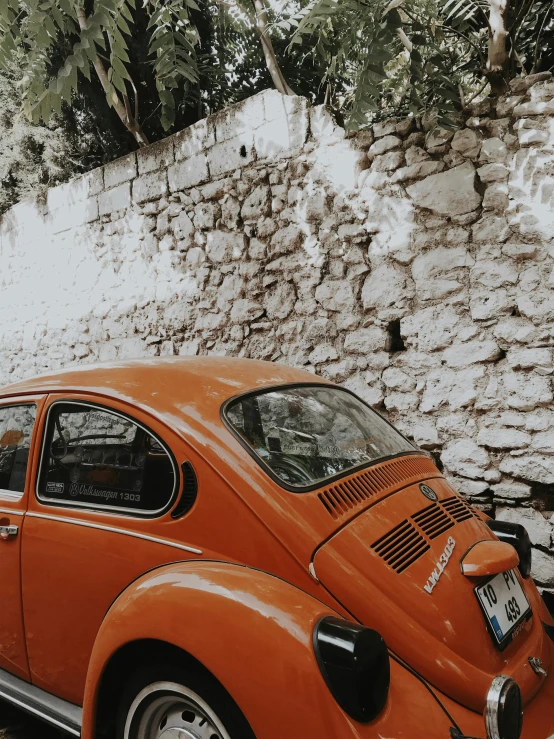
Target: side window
(96, 458)
(16, 428)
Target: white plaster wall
(412, 264)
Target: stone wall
(411, 264)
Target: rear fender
(253, 632)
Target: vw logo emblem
(428, 492)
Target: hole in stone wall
(436, 457)
(243, 151)
(515, 312)
(542, 496)
(396, 342)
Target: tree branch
(497, 62)
(129, 122)
(261, 25)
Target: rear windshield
(310, 433)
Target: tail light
(354, 662)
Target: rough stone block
(384, 128)
(539, 359)
(231, 154)
(530, 136)
(279, 301)
(366, 340)
(416, 171)
(384, 144)
(118, 198)
(534, 108)
(122, 170)
(388, 286)
(466, 458)
(335, 295)
(471, 352)
(511, 490)
(150, 186)
(440, 272)
(193, 140)
(493, 150)
(502, 438)
(387, 162)
(493, 172)
(241, 118)
(467, 142)
(448, 193)
(188, 173)
(323, 126)
(223, 247)
(155, 156)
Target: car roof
(164, 384)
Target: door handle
(6, 531)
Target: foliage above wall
(402, 56)
(154, 65)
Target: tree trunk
(130, 123)
(497, 62)
(262, 24)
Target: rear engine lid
(396, 568)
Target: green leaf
(118, 82)
(123, 25)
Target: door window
(97, 458)
(16, 428)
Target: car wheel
(169, 703)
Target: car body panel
(241, 579)
(93, 555)
(255, 636)
(13, 653)
(441, 634)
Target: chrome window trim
(11, 495)
(114, 530)
(136, 512)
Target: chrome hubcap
(172, 711)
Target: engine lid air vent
(401, 547)
(353, 493)
(410, 539)
(433, 521)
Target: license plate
(505, 606)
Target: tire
(168, 701)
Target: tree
(31, 29)
(32, 158)
(113, 43)
(404, 56)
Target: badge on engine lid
(428, 492)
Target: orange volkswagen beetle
(212, 548)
